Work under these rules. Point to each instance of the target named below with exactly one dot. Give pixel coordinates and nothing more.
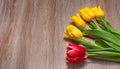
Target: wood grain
(31, 33)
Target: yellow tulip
(98, 12)
(90, 12)
(78, 21)
(87, 14)
(72, 32)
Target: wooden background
(31, 33)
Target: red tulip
(75, 53)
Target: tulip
(87, 14)
(78, 21)
(72, 32)
(98, 12)
(75, 53)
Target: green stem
(94, 25)
(114, 59)
(101, 34)
(83, 29)
(116, 34)
(109, 56)
(106, 53)
(106, 24)
(87, 44)
(114, 46)
(104, 49)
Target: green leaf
(112, 45)
(106, 24)
(105, 35)
(116, 34)
(87, 44)
(103, 49)
(94, 25)
(106, 53)
(114, 59)
(101, 43)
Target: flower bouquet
(91, 23)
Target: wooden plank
(31, 33)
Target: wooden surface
(31, 33)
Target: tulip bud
(98, 12)
(87, 14)
(78, 21)
(75, 53)
(72, 32)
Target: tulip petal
(75, 60)
(75, 53)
